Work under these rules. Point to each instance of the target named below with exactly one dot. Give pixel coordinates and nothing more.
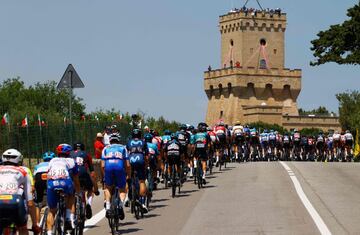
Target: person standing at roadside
(99, 145)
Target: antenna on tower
(257, 3)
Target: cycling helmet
(79, 145)
(167, 132)
(173, 136)
(183, 127)
(148, 137)
(347, 131)
(48, 156)
(114, 137)
(64, 149)
(266, 131)
(238, 123)
(191, 128)
(136, 133)
(11, 156)
(209, 128)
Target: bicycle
(80, 213)
(174, 181)
(135, 205)
(43, 225)
(114, 220)
(60, 217)
(199, 174)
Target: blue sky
(150, 55)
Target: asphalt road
(252, 198)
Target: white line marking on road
(94, 220)
(313, 213)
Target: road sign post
(70, 80)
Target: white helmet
(11, 155)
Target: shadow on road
(151, 215)
(127, 231)
(157, 206)
(127, 223)
(159, 200)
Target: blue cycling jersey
(41, 168)
(153, 149)
(165, 139)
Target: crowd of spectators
(254, 12)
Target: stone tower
(253, 83)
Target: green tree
(340, 43)
(349, 110)
(321, 111)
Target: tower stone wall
(253, 84)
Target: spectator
(99, 145)
(209, 68)
(237, 64)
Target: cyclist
(264, 141)
(15, 183)
(221, 134)
(272, 144)
(183, 138)
(286, 140)
(201, 142)
(296, 139)
(349, 140)
(237, 138)
(320, 146)
(173, 153)
(161, 159)
(153, 154)
(138, 153)
(214, 140)
(40, 174)
(115, 164)
(63, 175)
(336, 144)
(329, 142)
(254, 144)
(87, 175)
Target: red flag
(5, 119)
(24, 122)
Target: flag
(39, 120)
(119, 117)
(5, 119)
(24, 122)
(83, 117)
(357, 144)
(96, 118)
(65, 120)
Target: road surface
(253, 198)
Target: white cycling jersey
(237, 130)
(349, 136)
(336, 137)
(15, 180)
(59, 168)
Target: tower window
(231, 42)
(251, 50)
(263, 42)
(221, 114)
(275, 51)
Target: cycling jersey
(183, 138)
(336, 137)
(115, 157)
(173, 150)
(237, 130)
(137, 150)
(320, 138)
(15, 180)
(212, 136)
(264, 137)
(40, 174)
(296, 137)
(286, 139)
(349, 136)
(14, 183)
(221, 132)
(165, 139)
(201, 141)
(158, 141)
(153, 153)
(59, 177)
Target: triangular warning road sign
(70, 79)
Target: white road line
(94, 220)
(313, 213)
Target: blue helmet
(148, 137)
(173, 136)
(48, 156)
(167, 132)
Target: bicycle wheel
(173, 181)
(43, 222)
(199, 174)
